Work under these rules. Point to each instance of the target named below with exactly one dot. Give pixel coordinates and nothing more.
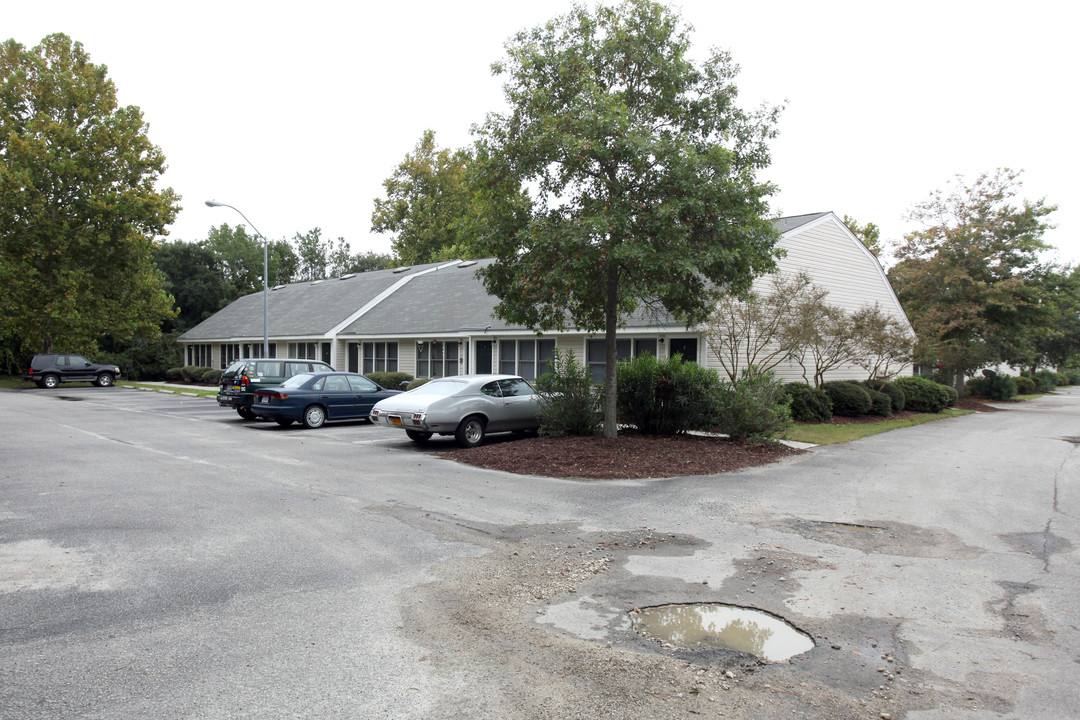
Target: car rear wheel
(245, 412)
(470, 432)
(50, 381)
(418, 435)
(314, 416)
(104, 380)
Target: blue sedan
(314, 398)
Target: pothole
(1074, 439)
(733, 627)
(68, 397)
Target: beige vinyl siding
(838, 262)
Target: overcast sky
(296, 112)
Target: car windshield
(297, 380)
(440, 388)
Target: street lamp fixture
(266, 286)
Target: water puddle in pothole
(718, 625)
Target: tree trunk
(611, 357)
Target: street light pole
(266, 265)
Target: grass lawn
(827, 434)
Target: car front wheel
(104, 380)
(314, 416)
(470, 432)
(50, 381)
(418, 435)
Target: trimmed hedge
(880, 403)
(390, 380)
(1025, 385)
(808, 404)
(849, 399)
(923, 395)
(211, 376)
(896, 395)
(417, 383)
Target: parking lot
(160, 557)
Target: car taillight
(275, 395)
(244, 381)
(374, 412)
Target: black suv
(48, 371)
(240, 380)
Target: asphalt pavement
(160, 557)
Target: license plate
(264, 399)
(395, 421)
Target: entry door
(687, 347)
(483, 356)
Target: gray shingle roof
(299, 309)
(787, 224)
(432, 298)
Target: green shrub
(174, 374)
(896, 395)
(880, 403)
(808, 404)
(997, 387)
(924, 395)
(569, 399)
(754, 408)
(1025, 385)
(1073, 376)
(1045, 380)
(417, 383)
(192, 373)
(975, 386)
(666, 397)
(1062, 381)
(212, 376)
(390, 380)
(951, 395)
(849, 399)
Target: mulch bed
(631, 455)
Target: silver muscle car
(465, 406)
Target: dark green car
(240, 380)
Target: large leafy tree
(868, 234)
(965, 278)
(79, 206)
(428, 205)
(642, 169)
(239, 258)
(193, 278)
